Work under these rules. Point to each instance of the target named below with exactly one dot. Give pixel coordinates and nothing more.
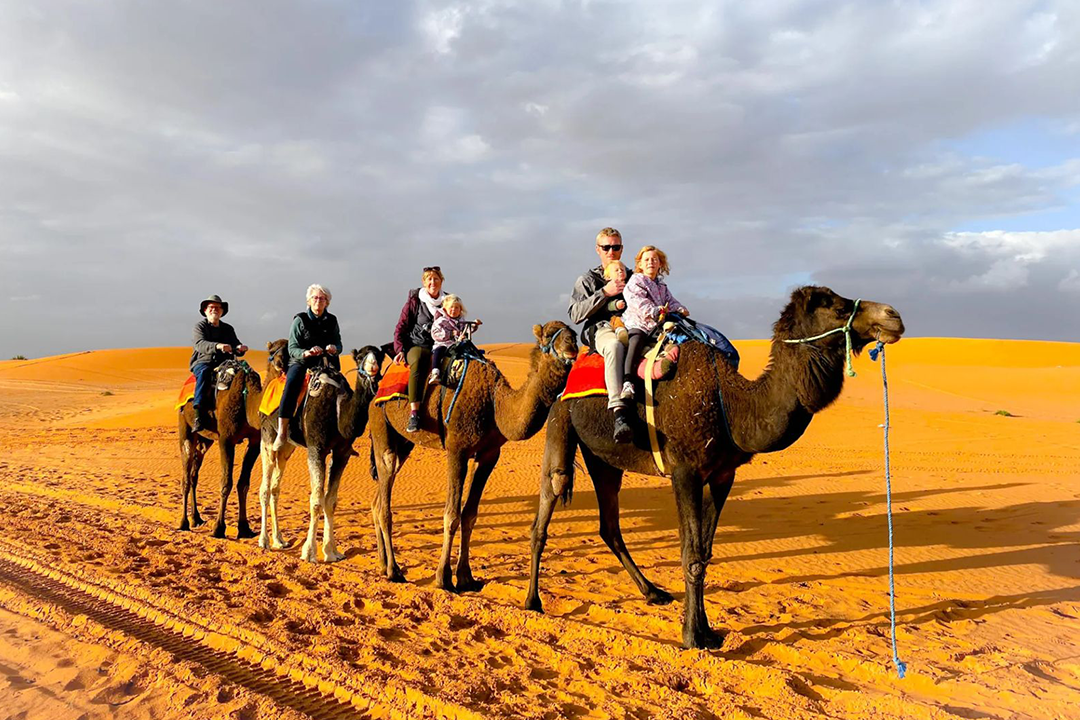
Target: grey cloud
(151, 154)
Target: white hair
(312, 289)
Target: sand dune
(988, 584)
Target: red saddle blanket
(394, 384)
(586, 377)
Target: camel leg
(199, 446)
(556, 479)
(484, 465)
(317, 471)
(688, 500)
(187, 452)
(268, 469)
(243, 529)
(608, 481)
(279, 461)
(338, 462)
(387, 463)
(228, 458)
(457, 465)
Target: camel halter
(846, 329)
(549, 348)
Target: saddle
(318, 382)
(453, 367)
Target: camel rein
(846, 329)
(901, 667)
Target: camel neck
(521, 412)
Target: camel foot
(705, 639)
(244, 531)
(332, 555)
(533, 603)
(279, 543)
(470, 585)
(264, 541)
(184, 526)
(396, 574)
(197, 521)
(444, 581)
(658, 596)
(307, 552)
(219, 531)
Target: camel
(487, 414)
(333, 417)
(235, 420)
(710, 420)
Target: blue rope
(901, 667)
(461, 382)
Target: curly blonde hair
(609, 269)
(451, 300)
(665, 269)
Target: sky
(923, 154)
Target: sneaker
(433, 377)
(414, 423)
(627, 391)
(623, 432)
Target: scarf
(434, 304)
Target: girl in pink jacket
(647, 298)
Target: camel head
(278, 362)
(814, 310)
(228, 371)
(557, 340)
(369, 360)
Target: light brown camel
(238, 390)
(333, 417)
(486, 415)
(710, 420)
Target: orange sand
(986, 523)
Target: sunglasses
(610, 248)
(433, 268)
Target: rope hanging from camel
(901, 667)
(847, 337)
(650, 401)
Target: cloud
(152, 154)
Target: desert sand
(163, 623)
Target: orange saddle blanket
(271, 399)
(187, 392)
(394, 384)
(586, 377)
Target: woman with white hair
(315, 334)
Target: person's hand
(313, 352)
(685, 312)
(620, 304)
(614, 287)
(224, 347)
(241, 349)
(400, 358)
(332, 349)
(478, 322)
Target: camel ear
(538, 331)
(269, 345)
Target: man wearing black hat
(213, 341)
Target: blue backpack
(686, 329)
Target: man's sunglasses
(610, 248)
(433, 268)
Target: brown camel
(486, 415)
(333, 416)
(238, 390)
(710, 420)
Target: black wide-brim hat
(214, 299)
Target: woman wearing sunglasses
(412, 337)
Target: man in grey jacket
(212, 342)
(590, 304)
